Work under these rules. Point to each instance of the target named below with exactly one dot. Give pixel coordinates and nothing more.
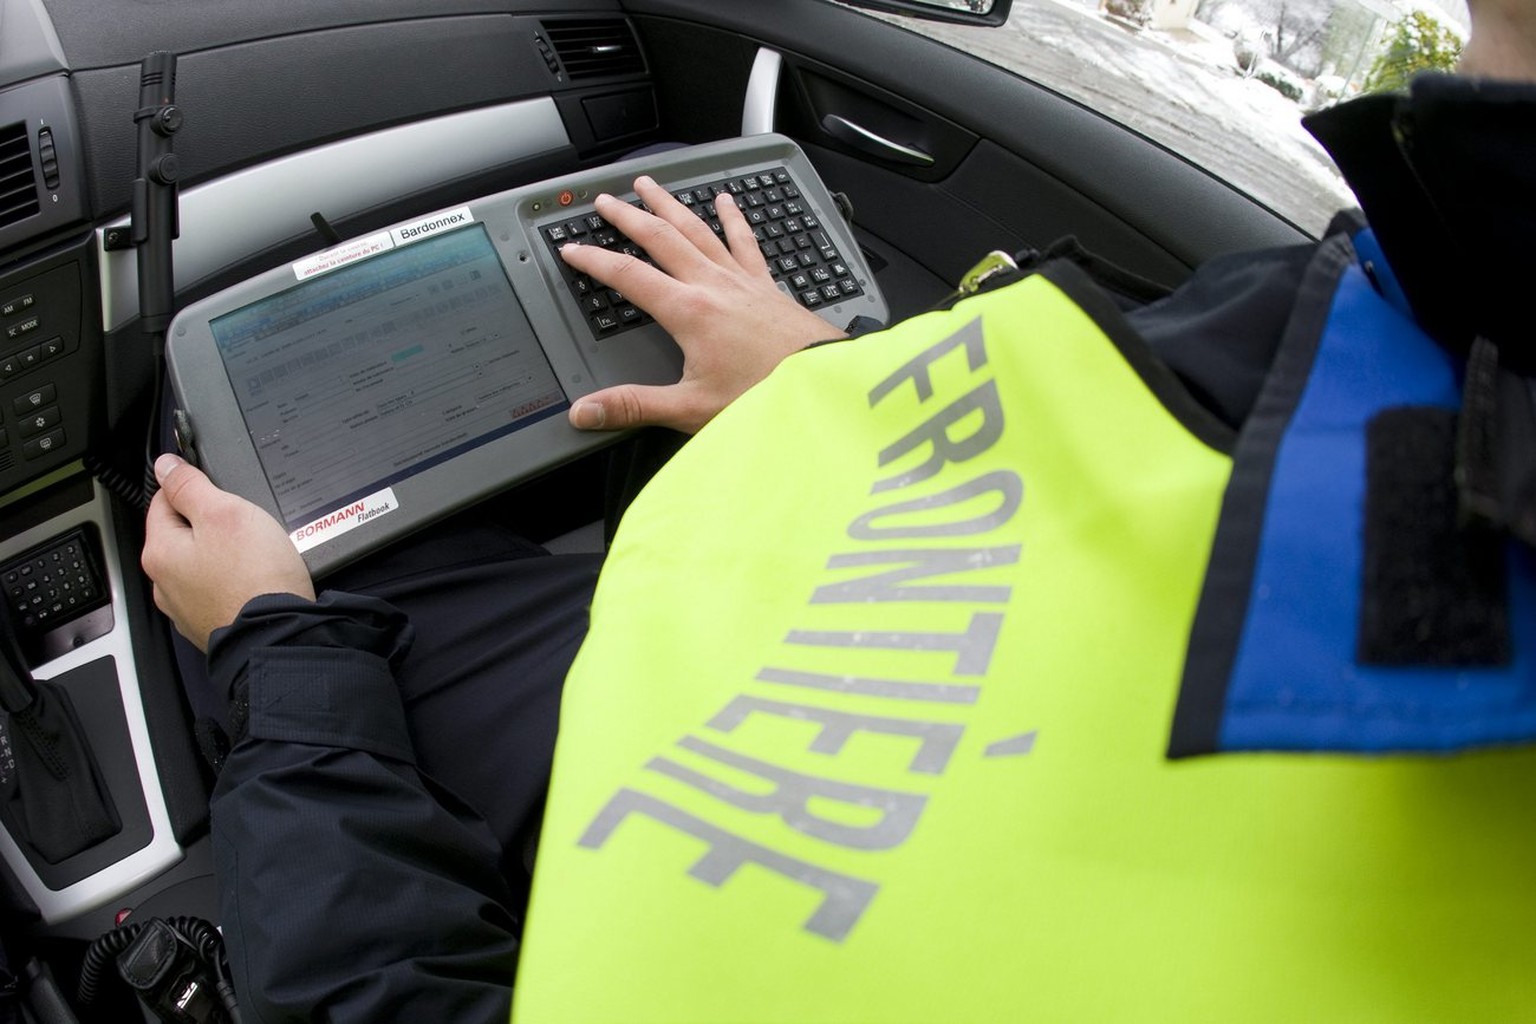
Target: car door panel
(1047, 167)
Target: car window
(1224, 83)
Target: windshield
(1224, 83)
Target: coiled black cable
(131, 491)
(201, 936)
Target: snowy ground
(1183, 90)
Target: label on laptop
(345, 519)
(448, 220)
(349, 252)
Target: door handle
(862, 138)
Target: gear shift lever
(53, 799)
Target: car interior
(286, 132)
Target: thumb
(636, 405)
(184, 486)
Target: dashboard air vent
(590, 47)
(18, 188)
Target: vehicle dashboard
(361, 113)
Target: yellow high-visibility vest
(871, 727)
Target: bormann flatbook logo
(344, 520)
(433, 225)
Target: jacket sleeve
(351, 888)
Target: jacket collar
(1446, 175)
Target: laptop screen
(369, 374)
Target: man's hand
(717, 300)
(209, 552)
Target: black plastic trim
(1223, 607)
(103, 33)
(185, 782)
(46, 103)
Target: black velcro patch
(1434, 591)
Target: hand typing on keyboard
(717, 299)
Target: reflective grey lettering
(887, 586)
(935, 431)
(973, 648)
(1014, 746)
(936, 740)
(845, 898)
(792, 796)
(1005, 483)
(888, 689)
(916, 369)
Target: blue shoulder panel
(1295, 682)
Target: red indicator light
(566, 198)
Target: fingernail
(645, 179)
(165, 464)
(726, 197)
(588, 416)
(603, 197)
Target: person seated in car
(942, 600)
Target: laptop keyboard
(801, 254)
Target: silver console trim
(163, 851)
(228, 219)
(759, 110)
